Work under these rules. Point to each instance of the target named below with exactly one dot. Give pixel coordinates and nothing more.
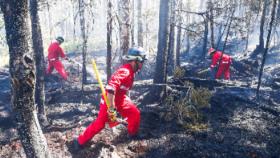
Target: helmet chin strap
(136, 66)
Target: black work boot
(76, 146)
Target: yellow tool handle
(100, 84)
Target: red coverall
(55, 51)
(224, 65)
(121, 81)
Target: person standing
(119, 84)
(55, 52)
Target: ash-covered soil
(235, 125)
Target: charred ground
(235, 124)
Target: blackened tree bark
(267, 45)
(124, 16)
(161, 59)
(109, 39)
(278, 13)
(211, 20)
(39, 62)
(179, 34)
(170, 58)
(205, 37)
(260, 46)
(261, 38)
(188, 45)
(228, 31)
(227, 35)
(84, 37)
(132, 22)
(50, 20)
(221, 34)
(74, 18)
(248, 28)
(22, 75)
(139, 23)
(205, 16)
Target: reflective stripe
(53, 59)
(102, 101)
(124, 88)
(109, 87)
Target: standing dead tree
(225, 42)
(267, 45)
(260, 46)
(179, 34)
(205, 16)
(228, 31)
(139, 23)
(171, 43)
(125, 24)
(211, 19)
(161, 59)
(22, 75)
(132, 40)
(39, 62)
(84, 37)
(109, 39)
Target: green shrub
(185, 108)
(179, 73)
(201, 97)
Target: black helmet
(135, 53)
(60, 39)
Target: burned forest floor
(232, 124)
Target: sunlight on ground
(251, 120)
(197, 126)
(4, 60)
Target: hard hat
(135, 53)
(60, 39)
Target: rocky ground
(234, 125)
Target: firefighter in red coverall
(119, 84)
(54, 53)
(219, 69)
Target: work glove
(112, 115)
(212, 73)
(112, 118)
